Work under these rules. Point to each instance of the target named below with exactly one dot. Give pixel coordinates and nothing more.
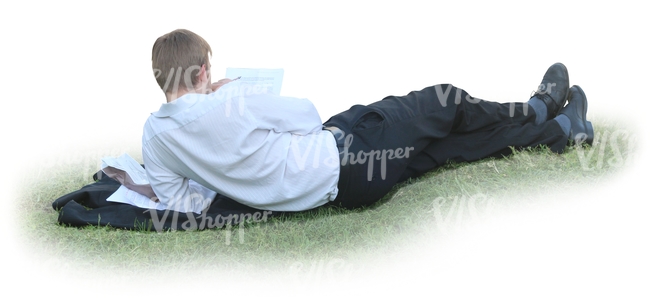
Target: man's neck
(180, 93)
(177, 94)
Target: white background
(77, 76)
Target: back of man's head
(176, 59)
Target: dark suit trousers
(403, 137)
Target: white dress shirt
(265, 151)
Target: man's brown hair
(177, 57)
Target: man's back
(265, 151)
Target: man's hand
(216, 85)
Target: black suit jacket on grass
(88, 206)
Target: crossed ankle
(565, 123)
(541, 111)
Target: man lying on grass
(272, 152)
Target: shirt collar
(184, 102)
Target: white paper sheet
(265, 80)
(138, 175)
(129, 165)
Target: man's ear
(203, 74)
(204, 80)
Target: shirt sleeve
(284, 114)
(175, 191)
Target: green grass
(436, 203)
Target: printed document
(135, 189)
(258, 80)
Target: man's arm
(216, 85)
(278, 113)
(285, 114)
(172, 190)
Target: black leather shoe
(581, 129)
(554, 89)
